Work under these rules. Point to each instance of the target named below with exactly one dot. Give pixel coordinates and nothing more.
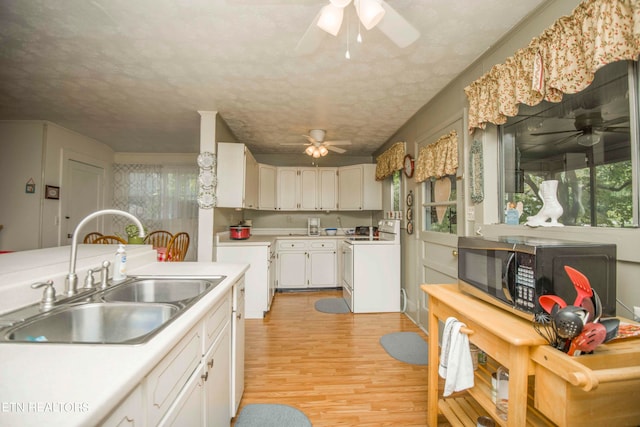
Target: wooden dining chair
(177, 247)
(110, 240)
(91, 237)
(158, 239)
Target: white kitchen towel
(456, 366)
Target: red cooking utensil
(592, 335)
(548, 302)
(581, 283)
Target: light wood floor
(332, 366)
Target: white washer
(371, 270)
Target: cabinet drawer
(216, 320)
(292, 244)
(167, 379)
(324, 244)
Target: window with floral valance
(563, 59)
(438, 159)
(390, 161)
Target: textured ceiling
(134, 73)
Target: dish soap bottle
(120, 264)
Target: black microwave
(513, 271)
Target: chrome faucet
(71, 284)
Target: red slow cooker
(239, 232)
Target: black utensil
(543, 325)
(611, 325)
(569, 322)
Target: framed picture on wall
(51, 192)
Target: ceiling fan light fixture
(331, 19)
(588, 139)
(316, 153)
(323, 150)
(340, 3)
(370, 12)
(310, 149)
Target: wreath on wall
(476, 172)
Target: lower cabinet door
(188, 409)
(292, 270)
(218, 381)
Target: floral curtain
(438, 159)
(563, 59)
(390, 161)
(163, 197)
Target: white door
(267, 187)
(82, 197)
(350, 188)
(328, 188)
(441, 221)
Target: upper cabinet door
(308, 189)
(350, 188)
(286, 195)
(328, 189)
(267, 187)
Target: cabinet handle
(210, 363)
(454, 252)
(239, 316)
(205, 376)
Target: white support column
(205, 216)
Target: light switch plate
(471, 213)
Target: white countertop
(79, 384)
(268, 237)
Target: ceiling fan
(371, 13)
(317, 146)
(589, 129)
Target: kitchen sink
(105, 323)
(154, 290)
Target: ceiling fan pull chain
(347, 54)
(359, 38)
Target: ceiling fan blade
(336, 149)
(311, 39)
(294, 143)
(398, 29)
(555, 132)
(338, 142)
(623, 129)
(310, 139)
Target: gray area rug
(271, 415)
(408, 347)
(332, 305)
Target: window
(395, 191)
(440, 206)
(585, 143)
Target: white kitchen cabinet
(130, 413)
(358, 189)
(307, 264)
(258, 287)
(266, 187)
(297, 189)
(237, 349)
(237, 172)
(327, 189)
(188, 408)
(217, 381)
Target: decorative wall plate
(207, 178)
(410, 198)
(206, 200)
(206, 160)
(410, 227)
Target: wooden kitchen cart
(546, 386)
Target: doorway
(84, 196)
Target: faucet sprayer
(71, 284)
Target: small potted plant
(133, 235)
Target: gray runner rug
(408, 347)
(332, 305)
(271, 415)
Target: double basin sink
(131, 312)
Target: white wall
(40, 150)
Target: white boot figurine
(551, 208)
